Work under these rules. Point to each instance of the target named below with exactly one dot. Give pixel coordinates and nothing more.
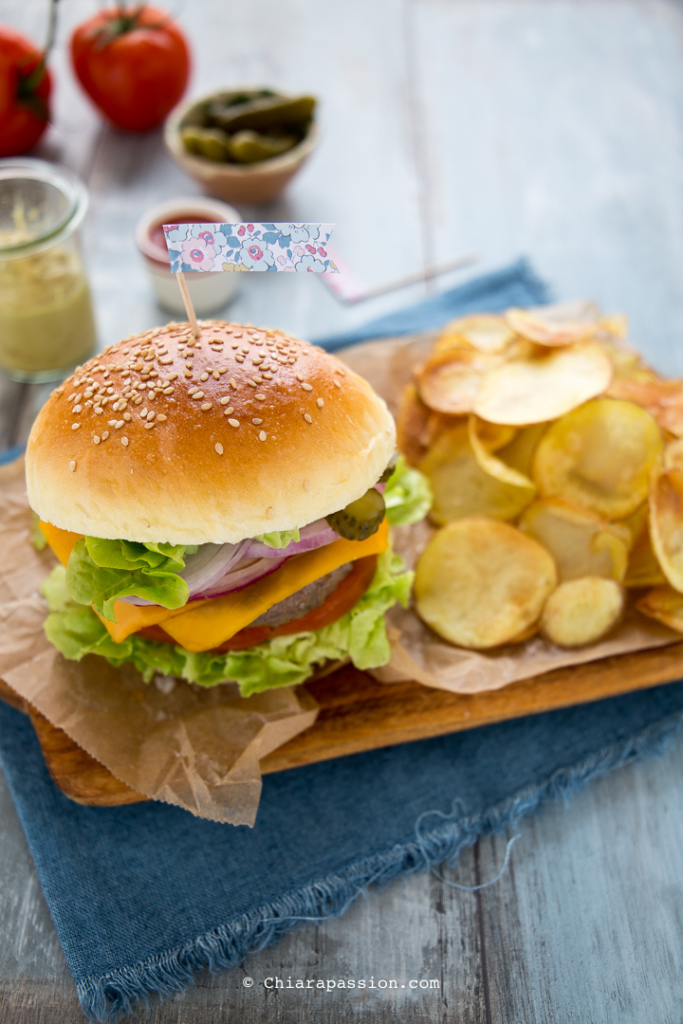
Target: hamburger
(220, 506)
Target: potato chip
(546, 331)
(581, 542)
(462, 488)
(665, 605)
(615, 324)
(666, 523)
(485, 332)
(643, 569)
(673, 454)
(535, 390)
(490, 464)
(600, 457)
(450, 382)
(662, 398)
(493, 435)
(418, 426)
(519, 453)
(480, 583)
(582, 611)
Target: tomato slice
(339, 602)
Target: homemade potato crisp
(555, 457)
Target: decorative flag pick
(264, 247)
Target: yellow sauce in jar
(46, 315)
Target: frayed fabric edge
(106, 997)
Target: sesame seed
(337, 384)
(105, 435)
(187, 373)
(124, 442)
(96, 439)
(151, 415)
(167, 391)
(235, 344)
(229, 411)
(239, 359)
(252, 383)
(75, 426)
(72, 466)
(262, 436)
(137, 401)
(256, 421)
(110, 391)
(221, 370)
(308, 418)
(268, 376)
(143, 412)
(77, 409)
(259, 380)
(215, 374)
(204, 376)
(148, 426)
(224, 400)
(192, 391)
(172, 376)
(219, 447)
(127, 417)
(166, 361)
(306, 387)
(307, 486)
(232, 384)
(234, 423)
(206, 406)
(260, 396)
(198, 395)
(118, 424)
(319, 402)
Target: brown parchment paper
(416, 652)
(198, 749)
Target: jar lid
(149, 235)
(40, 204)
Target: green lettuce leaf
(38, 538)
(407, 496)
(278, 538)
(101, 571)
(283, 661)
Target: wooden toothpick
(189, 308)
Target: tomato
(339, 602)
(134, 64)
(25, 86)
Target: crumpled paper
(416, 652)
(198, 749)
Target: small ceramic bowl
(250, 183)
(210, 291)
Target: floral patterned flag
(250, 247)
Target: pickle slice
(361, 518)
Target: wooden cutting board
(357, 714)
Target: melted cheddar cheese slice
(203, 625)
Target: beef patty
(305, 600)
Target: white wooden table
(546, 127)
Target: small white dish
(210, 291)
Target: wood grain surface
(357, 714)
(546, 127)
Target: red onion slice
(240, 578)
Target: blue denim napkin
(143, 896)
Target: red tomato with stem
(134, 64)
(25, 85)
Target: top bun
(168, 438)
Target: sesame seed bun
(164, 438)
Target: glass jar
(47, 325)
